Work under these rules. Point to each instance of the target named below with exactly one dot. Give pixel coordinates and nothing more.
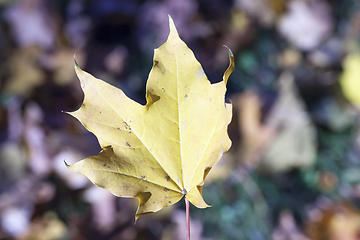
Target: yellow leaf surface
(162, 151)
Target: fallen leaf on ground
(287, 137)
(312, 20)
(349, 79)
(295, 144)
(339, 221)
(255, 136)
(49, 227)
(23, 14)
(25, 72)
(162, 151)
(264, 11)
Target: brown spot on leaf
(127, 126)
(163, 89)
(169, 201)
(186, 95)
(166, 190)
(128, 144)
(153, 97)
(159, 66)
(143, 177)
(167, 178)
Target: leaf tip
(75, 63)
(66, 112)
(172, 26)
(231, 67)
(67, 165)
(230, 52)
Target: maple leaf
(162, 151)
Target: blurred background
(293, 172)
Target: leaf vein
(139, 178)
(138, 138)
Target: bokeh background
(293, 171)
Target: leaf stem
(187, 204)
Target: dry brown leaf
(339, 221)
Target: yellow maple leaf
(162, 151)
